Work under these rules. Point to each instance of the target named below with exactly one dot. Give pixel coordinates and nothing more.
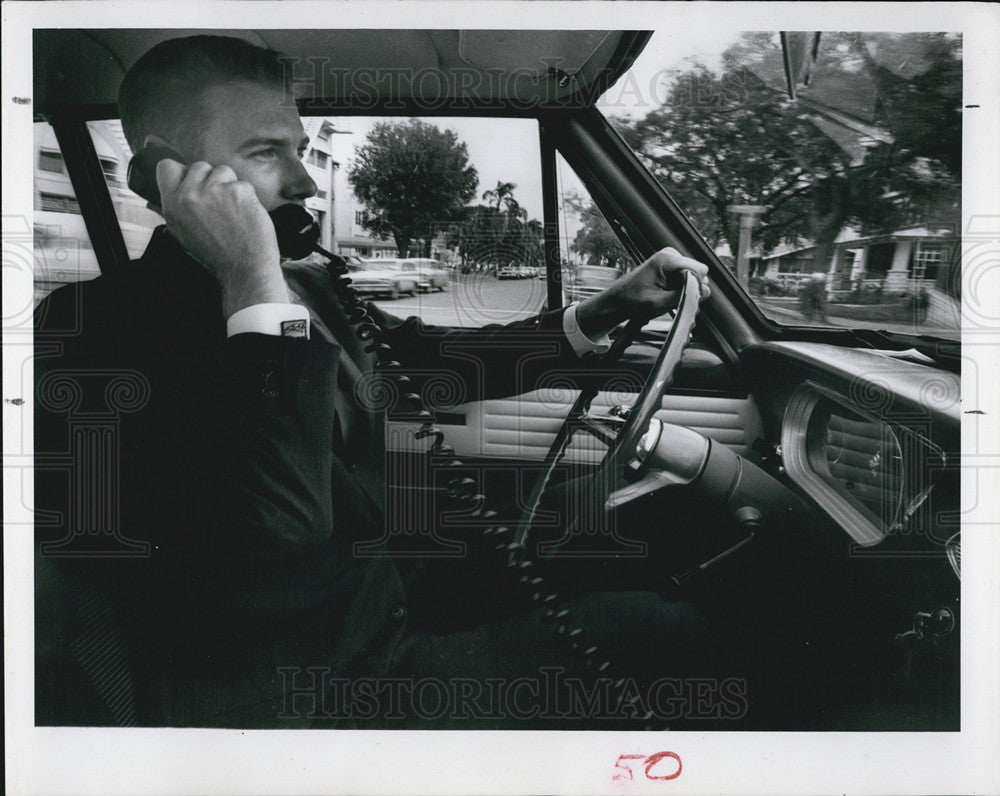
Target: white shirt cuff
(580, 342)
(281, 320)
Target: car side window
(136, 220)
(440, 217)
(61, 247)
(463, 247)
(592, 254)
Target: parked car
(431, 274)
(354, 262)
(384, 277)
(508, 272)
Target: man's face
(252, 129)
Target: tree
(595, 239)
(915, 176)
(733, 137)
(503, 195)
(498, 233)
(533, 243)
(506, 230)
(473, 236)
(411, 176)
(725, 139)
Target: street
(473, 300)
(476, 300)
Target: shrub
(762, 286)
(863, 294)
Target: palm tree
(503, 194)
(532, 242)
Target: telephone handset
(298, 234)
(297, 230)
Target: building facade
(323, 169)
(350, 235)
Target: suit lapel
(363, 429)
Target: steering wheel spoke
(621, 434)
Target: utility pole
(748, 215)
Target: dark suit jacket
(191, 477)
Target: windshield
(840, 208)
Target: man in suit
(247, 601)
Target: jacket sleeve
(490, 362)
(267, 473)
(466, 364)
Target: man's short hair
(161, 94)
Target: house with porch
(920, 260)
(903, 261)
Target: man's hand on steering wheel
(643, 293)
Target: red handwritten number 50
(648, 765)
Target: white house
(899, 261)
(351, 237)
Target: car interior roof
(81, 69)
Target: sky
(502, 150)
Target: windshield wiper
(876, 338)
(945, 353)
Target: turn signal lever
(297, 230)
(674, 456)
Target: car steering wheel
(621, 446)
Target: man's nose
(297, 184)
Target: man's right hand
(221, 223)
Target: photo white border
(106, 761)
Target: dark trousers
(479, 654)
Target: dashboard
(870, 474)
(871, 439)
